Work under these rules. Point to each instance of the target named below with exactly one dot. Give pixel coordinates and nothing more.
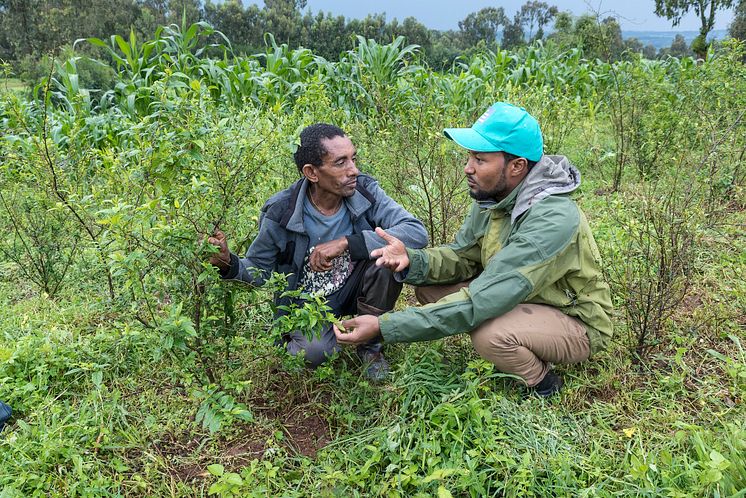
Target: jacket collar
(505, 205)
(356, 204)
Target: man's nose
(468, 168)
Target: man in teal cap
(523, 277)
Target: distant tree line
(31, 29)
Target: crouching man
(320, 233)
(523, 277)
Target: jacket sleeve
(527, 262)
(261, 257)
(392, 217)
(450, 263)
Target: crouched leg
(316, 350)
(526, 339)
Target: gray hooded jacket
(282, 242)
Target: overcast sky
(634, 15)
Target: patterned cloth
(327, 282)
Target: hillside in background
(662, 39)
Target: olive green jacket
(535, 246)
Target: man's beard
(498, 193)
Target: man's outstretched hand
(393, 255)
(358, 330)
(221, 259)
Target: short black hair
(310, 150)
(511, 157)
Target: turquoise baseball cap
(502, 128)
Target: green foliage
(45, 30)
(678, 48)
(41, 240)
(651, 266)
(217, 408)
(310, 317)
(228, 484)
(737, 28)
(482, 26)
(674, 10)
(171, 384)
(735, 367)
(532, 16)
(417, 166)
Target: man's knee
(314, 352)
(317, 353)
(380, 289)
(491, 342)
(427, 294)
(501, 347)
(422, 295)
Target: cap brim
(470, 139)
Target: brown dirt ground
(298, 413)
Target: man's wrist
(231, 271)
(355, 243)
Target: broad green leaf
(216, 469)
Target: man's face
(486, 176)
(338, 172)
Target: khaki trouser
(524, 340)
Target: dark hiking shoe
(5, 413)
(375, 365)
(549, 385)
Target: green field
(134, 370)
(12, 84)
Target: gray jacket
(282, 242)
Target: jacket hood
(551, 175)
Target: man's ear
(309, 171)
(518, 166)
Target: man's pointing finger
(385, 236)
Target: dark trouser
(5, 413)
(369, 290)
